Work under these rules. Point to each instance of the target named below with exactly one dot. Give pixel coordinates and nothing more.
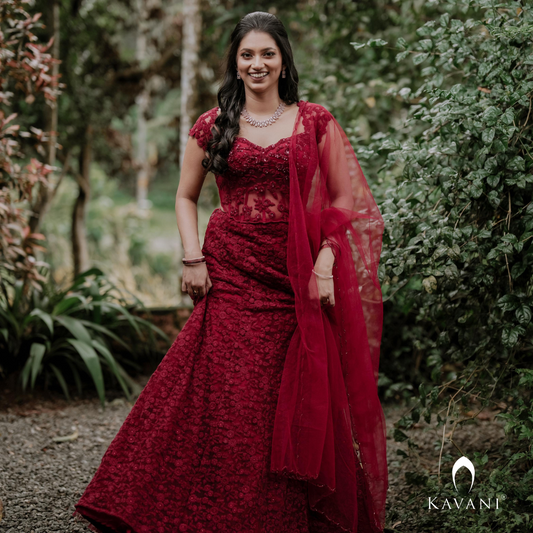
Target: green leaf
(510, 336)
(488, 135)
(61, 380)
(399, 435)
(422, 394)
(376, 42)
(518, 269)
(105, 331)
(517, 163)
(402, 43)
(75, 327)
(419, 58)
(491, 115)
(32, 365)
(106, 354)
(64, 305)
(122, 310)
(493, 180)
(37, 352)
(401, 56)
(90, 358)
(523, 314)
(508, 117)
(357, 46)
(45, 317)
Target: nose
(258, 63)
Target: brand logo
(435, 503)
(467, 463)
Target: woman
(263, 416)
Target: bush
(457, 263)
(73, 332)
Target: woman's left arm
(340, 196)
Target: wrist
(192, 254)
(325, 260)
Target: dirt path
(41, 478)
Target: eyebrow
(250, 50)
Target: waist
(241, 218)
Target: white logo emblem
(467, 463)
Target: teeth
(259, 75)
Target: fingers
(328, 301)
(326, 293)
(196, 292)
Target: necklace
(263, 123)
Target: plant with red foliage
(25, 67)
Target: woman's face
(258, 54)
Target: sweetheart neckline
(270, 145)
(298, 104)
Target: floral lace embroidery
(255, 188)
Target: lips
(263, 75)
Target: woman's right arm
(195, 277)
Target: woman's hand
(324, 266)
(196, 278)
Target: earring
(283, 73)
(238, 75)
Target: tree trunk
(80, 250)
(192, 22)
(143, 165)
(45, 197)
(143, 102)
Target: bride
(264, 415)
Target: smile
(259, 75)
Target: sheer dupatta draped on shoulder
(329, 427)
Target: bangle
(193, 261)
(333, 246)
(322, 275)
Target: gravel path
(41, 479)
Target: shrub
(457, 263)
(74, 332)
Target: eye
(270, 54)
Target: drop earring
(283, 73)
(238, 75)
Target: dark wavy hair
(231, 95)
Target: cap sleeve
(201, 130)
(323, 118)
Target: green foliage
(74, 332)
(457, 262)
(507, 474)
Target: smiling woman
(263, 416)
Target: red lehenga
(264, 416)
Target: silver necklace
(263, 123)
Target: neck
(263, 105)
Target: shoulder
(208, 117)
(320, 117)
(201, 130)
(318, 111)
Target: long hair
(231, 95)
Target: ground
(41, 478)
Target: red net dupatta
(329, 427)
